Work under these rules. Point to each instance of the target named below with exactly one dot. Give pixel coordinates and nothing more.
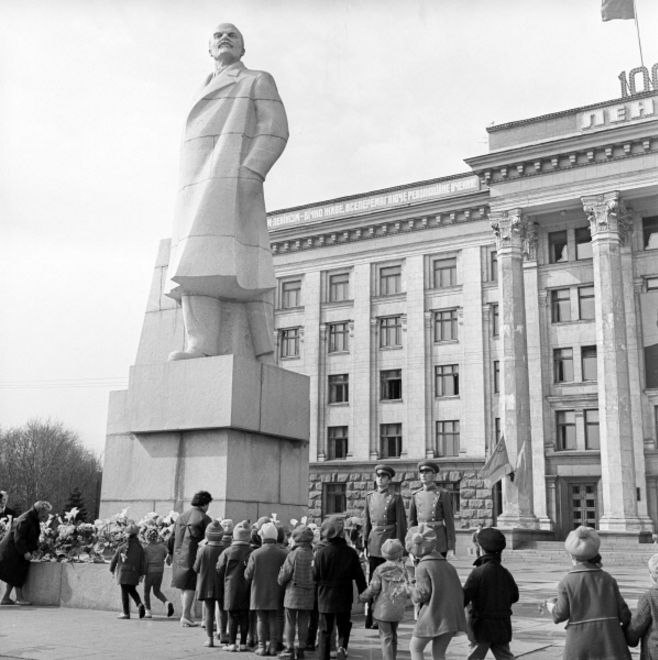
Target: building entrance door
(583, 504)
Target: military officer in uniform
(384, 519)
(432, 505)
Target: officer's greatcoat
(434, 507)
(385, 519)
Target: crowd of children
(271, 591)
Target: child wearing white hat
(588, 599)
(644, 623)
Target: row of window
(390, 440)
(445, 329)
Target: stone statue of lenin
(220, 267)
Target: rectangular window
(583, 243)
(338, 337)
(333, 499)
(565, 427)
(496, 376)
(390, 280)
(562, 365)
(390, 331)
(339, 287)
(446, 327)
(390, 385)
(291, 294)
(655, 422)
(560, 305)
(444, 273)
(493, 266)
(588, 362)
(494, 320)
(650, 232)
(289, 342)
(390, 440)
(336, 442)
(447, 438)
(592, 429)
(497, 428)
(453, 488)
(557, 247)
(446, 380)
(586, 302)
(339, 388)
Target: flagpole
(637, 28)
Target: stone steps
(614, 557)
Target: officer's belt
(433, 523)
(382, 528)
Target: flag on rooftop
(497, 465)
(614, 9)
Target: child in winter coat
(644, 624)
(296, 575)
(221, 613)
(129, 562)
(490, 591)
(230, 568)
(208, 585)
(335, 566)
(388, 587)
(589, 597)
(439, 593)
(266, 594)
(156, 553)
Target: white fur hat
(653, 564)
(269, 531)
(582, 543)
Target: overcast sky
(93, 96)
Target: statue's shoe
(185, 355)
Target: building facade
(518, 299)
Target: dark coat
(7, 512)
(189, 529)
(296, 575)
(262, 571)
(129, 561)
(334, 568)
(588, 599)
(490, 590)
(209, 585)
(23, 538)
(230, 568)
(644, 625)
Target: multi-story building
(518, 299)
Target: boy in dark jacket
(130, 563)
(335, 566)
(490, 590)
(230, 568)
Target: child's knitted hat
(421, 540)
(331, 527)
(152, 535)
(392, 549)
(242, 531)
(653, 564)
(269, 531)
(302, 534)
(214, 532)
(227, 525)
(132, 530)
(261, 521)
(582, 543)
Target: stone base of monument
(226, 424)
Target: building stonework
(516, 300)
(475, 499)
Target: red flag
(613, 9)
(497, 465)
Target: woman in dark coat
(189, 529)
(16, 550)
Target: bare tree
(43, 460)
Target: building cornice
(368, 229)
(564, 154)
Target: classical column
(322, 450)
(610, 228)
(511, 233)
(428, 448)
